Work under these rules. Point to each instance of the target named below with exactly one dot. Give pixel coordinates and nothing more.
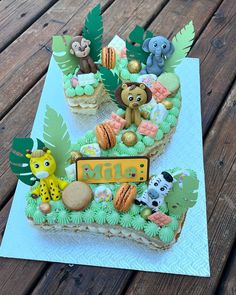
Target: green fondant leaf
(182, 42)
(179, 198)
(134, 44)
(111, 82)
(93, 30)
(19, 163)
(57, 139)
(61, 53)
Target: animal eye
(46, 163)
(162, 189)
(138, 98)
(155, 44)
(164, 46)
(156, 183)
(36, 165)
(130, 98)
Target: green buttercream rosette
(39, 217)
(165, 127)
(31, 201)
(126, 220)
(100, 217)
(172, 120)
(166, 234)
(67, 84)
(139, 147)
(120, 112)
(70, 92)
(159, 134)
(176, 102)
(138, 223)
(52, 217)
(57, 205)
(151, 229)
(79, 90)
(88, 90)
(174, 111)
(134, 210)
(63, 217)
(76, 217)
(113, 218)
(30, 210)
(174, 224)
(88, 216)
(148, 141)
(163, 208)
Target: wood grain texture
(16, 16)
(221, 199)
(227, 285)
(82, 280)
(25, 61)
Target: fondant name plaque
(105, 170)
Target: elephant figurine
(160, 48)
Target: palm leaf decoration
(182, 43)
(19, 163)
(180, 198)
(57, 139)
(93, 30)
(134, 44)
(111, 82)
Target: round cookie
(77, 196)
(106, 136)
(170, 81)
(124, 197)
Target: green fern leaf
(134, 44)
(111, 82)
(19, 163)
(93, 30)
(57, 139)
(182, 43)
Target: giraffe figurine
(43, 166)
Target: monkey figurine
(80, 47)
(132, 95)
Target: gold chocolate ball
(168, 104)
(129, 138)
(45, 208)
(145, 213)
(134, 66)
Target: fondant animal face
(80, 46)
(133, 96)
(159, 46)
(42, 163)
(158, 188)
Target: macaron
(108, 57)
(124, 197)
(170, 81)
(106, 136)
(77, 196)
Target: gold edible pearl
(129, 138)
(145, 213)
(168, 104)
(134, 66)
(45, 208)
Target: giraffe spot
(46, 198)
(52, 194)
(57, 197)
(53, 189)
(45, 193)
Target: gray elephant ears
(171, 51)
(145, 46)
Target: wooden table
(26, 28)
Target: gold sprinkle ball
(134, 66)
(129, 138)
(168, 104)
(45, 208)
(145, 213)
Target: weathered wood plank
(221, 199)
(29, 58)
(16, 16)
(227, 285)
(26, 59)
(82, 280)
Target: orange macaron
(125, 197)
(106, 136)
(108, 57)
